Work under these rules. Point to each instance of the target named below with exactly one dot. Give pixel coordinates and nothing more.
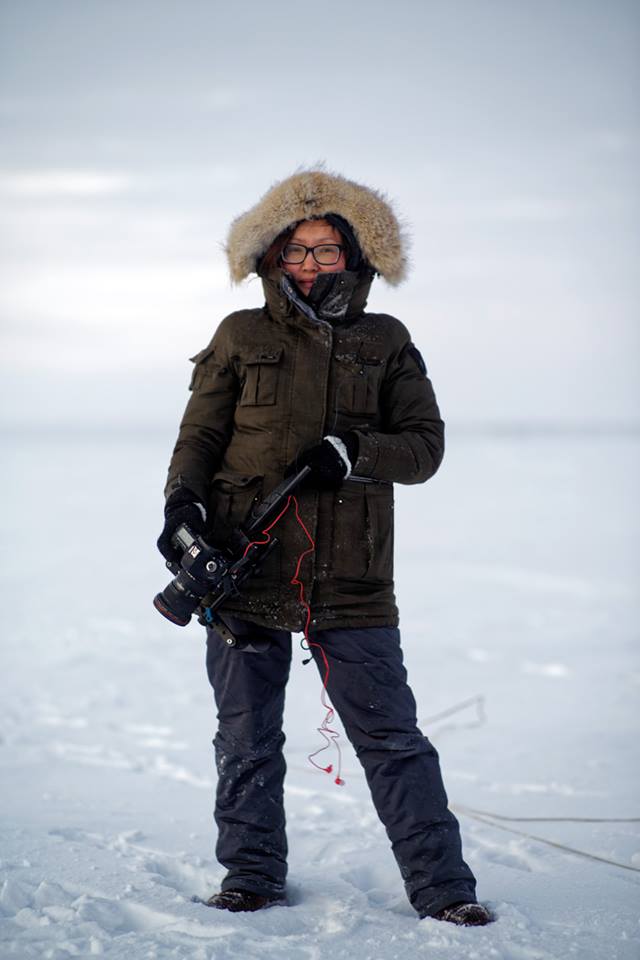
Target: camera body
(200, 571)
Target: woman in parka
(312, 379)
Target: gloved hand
(181, 507)
(331, 461)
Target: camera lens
(176, 603)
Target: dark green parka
(274, 381)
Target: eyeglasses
(326, 254)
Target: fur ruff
(310, 194)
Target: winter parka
(274, 381)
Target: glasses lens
(327, 254)
(294, 253)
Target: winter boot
(242, 901)
(465, 914)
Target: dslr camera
(200, 571)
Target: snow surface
(517, 571)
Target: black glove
(181, 507)
(330, 462)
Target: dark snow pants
(368, 688)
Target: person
(312, 379)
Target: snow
(517, 571)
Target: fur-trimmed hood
(310, 194)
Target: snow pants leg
(249, 691)
(367, 685)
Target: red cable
(330, 735)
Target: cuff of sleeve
(192, 490)
(368, 452)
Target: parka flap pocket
(362, 535)
(199, 369)
(203, 354)
(260, 370)
(360, 359)
(230, 480)
(264, 355)
(233, 495)
(359, 376)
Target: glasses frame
(312, 251)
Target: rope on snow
(491, 819)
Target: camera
(199, 572)
(207, 577)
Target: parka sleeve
(207, 423)
(410, 446)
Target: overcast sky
(505, 131)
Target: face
(311, 233)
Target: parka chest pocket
(259, 374)
(358, 380)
